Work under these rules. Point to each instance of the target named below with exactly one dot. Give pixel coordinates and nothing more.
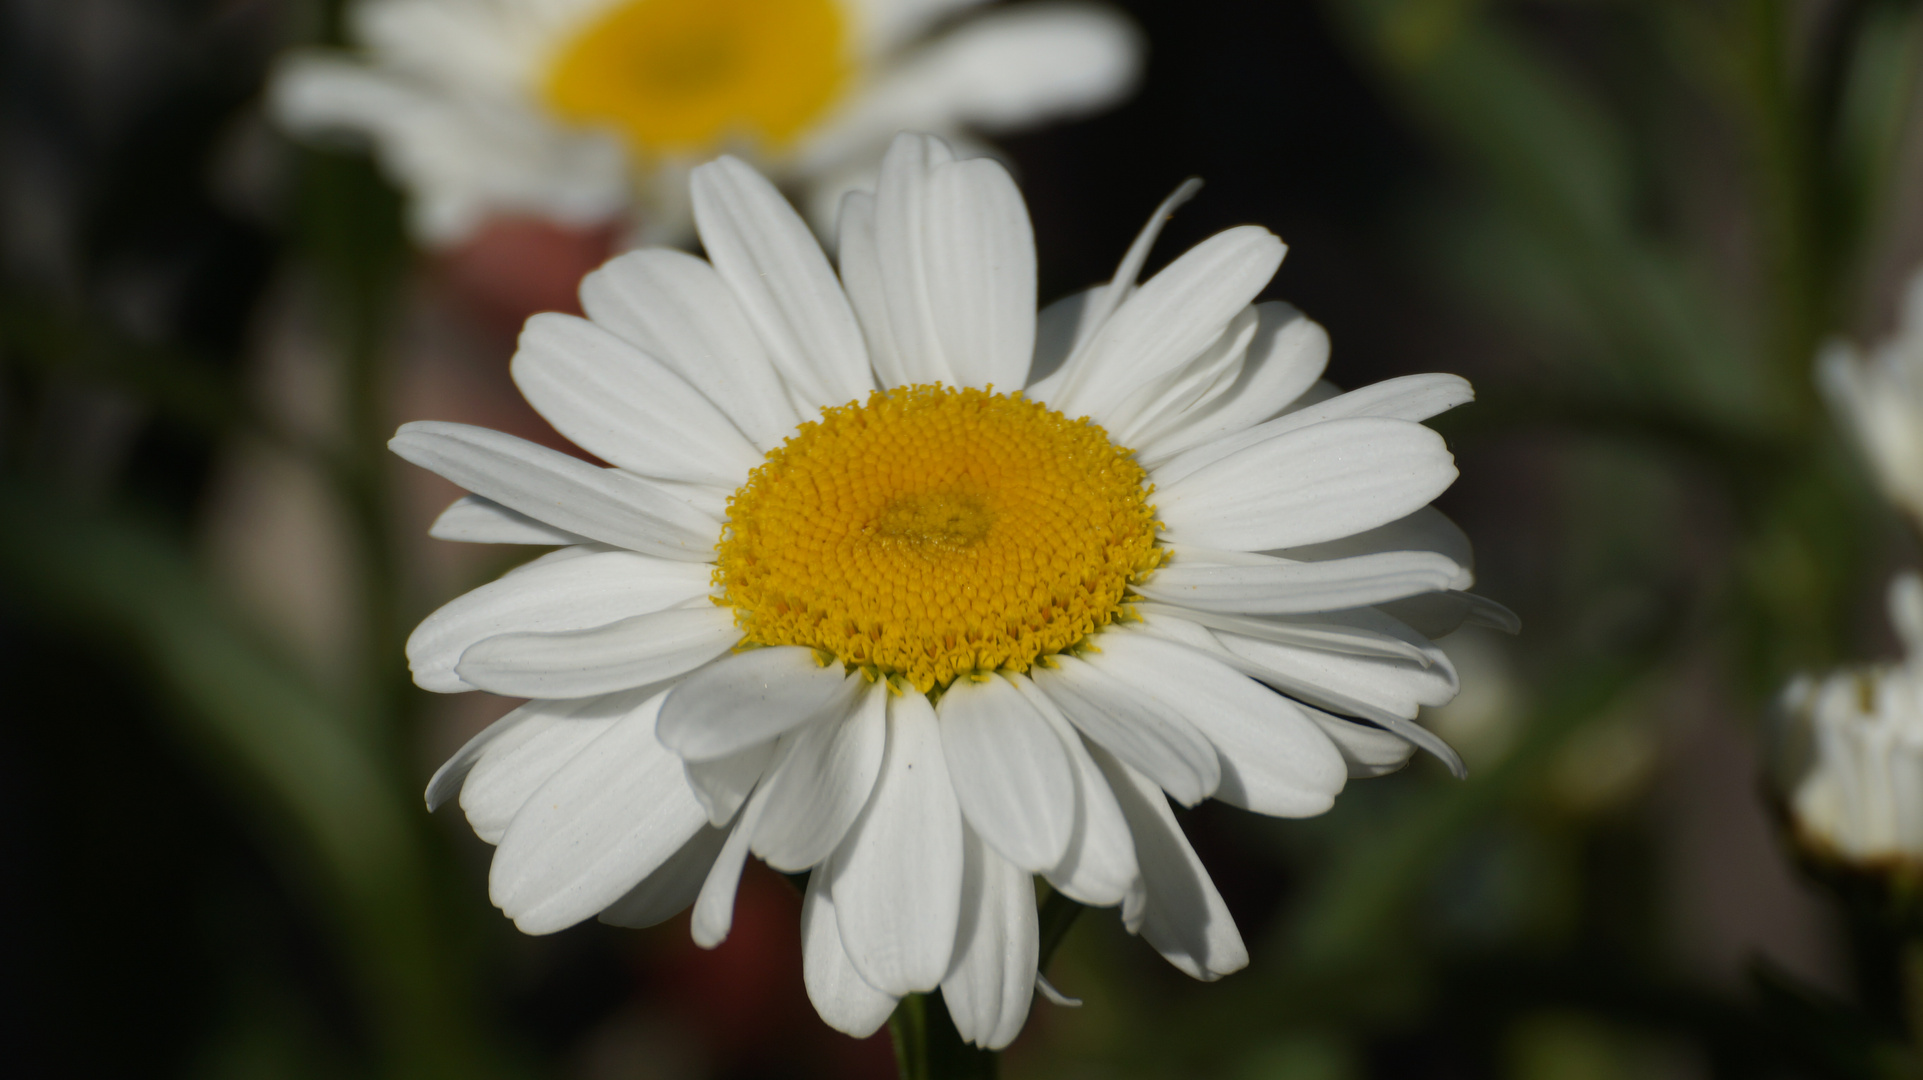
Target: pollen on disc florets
(932, 532)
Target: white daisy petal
(750, 698)
(843, 998)
(1438, 614)
(827, 772)
(1274, 761)
(714, 906)
(575, 594)
(1160, 405)
(1285, 358)
(1428, 529)
(897, 875)
(771, 262)
(1143, 730)
(1172, 317)
(1318, 631)
(676, 308)
(861, 276)
(1099, 865)
(1013, 68)
(1307, 486)
(559, 490)
(670, 889)
(1181, 914)
(1412, 397)
(1284, 587)
(1399, 686)
(447, 780)
(903, 257)
(1060, 329)
(532, 743)
(602, 659)
(1368, 751)
(609, 817)
(980, 273)
(992, 980)
(722, 784)
(624, 406)
(1011, 773)
(474, 520)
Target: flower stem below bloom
(927, 1046)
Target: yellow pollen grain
(932, 533)
(688, 75)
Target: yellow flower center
(934, 532)
(684, 75)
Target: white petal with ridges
(826, 773)
(980, 273)
(574, 594)
(1368, 751)
(1099, 866)
(677, 309)
(860, 262)
(1274, 761)
(669, 890)
(723, 784)
(1011, 773)
(624, 406)
(535, 741)
(618, 656)
(992, 980)
(1181, 914)
(897, 875)
(1284, 359)
(1285, 587)
(843, 998)
(558, 490)
(776, 270)
(750, 698)
(1151, 734)
(473, 520)
(611, 816)
(714, 906)
(1307, 486)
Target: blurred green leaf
(285, 745)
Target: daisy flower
(1849, 749)
(585, 112)
(893, 580)
(1879, 401)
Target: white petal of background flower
(608, 818)
(623, 406)
(897, 876)
(1011, 774)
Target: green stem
(1058, 914)
(927, 1046)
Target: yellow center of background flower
(685, 75)
(933, 532)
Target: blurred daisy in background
(1879, 401)
(851, 601)
(1849, 750)
(589, 113)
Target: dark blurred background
(1629, 222)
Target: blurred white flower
(584, 112)
(841, 604)
(1849, 749)
(1879, 400)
